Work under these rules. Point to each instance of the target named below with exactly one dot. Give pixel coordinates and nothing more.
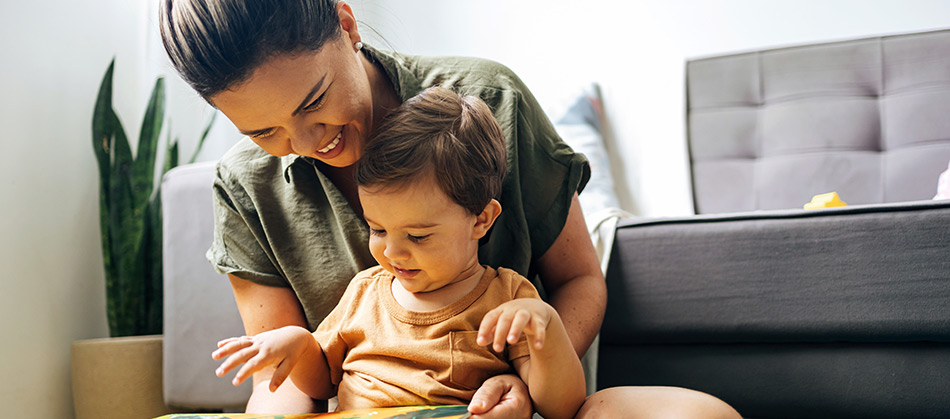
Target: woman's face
(315, 104)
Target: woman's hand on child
(508, 321)
(281, 348)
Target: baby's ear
(486, 218)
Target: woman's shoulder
(247, 161)
(473, 74)
(245, 154)
(469, 75)
(471, 68)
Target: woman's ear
(348, 22)
(486, 219)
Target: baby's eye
(376, 232)
(418, 239)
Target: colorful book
(406, 412)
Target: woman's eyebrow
(306, 100)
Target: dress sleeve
(239, 245)
(543, 175)
(549, 173)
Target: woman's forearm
(580, 303)
(570, 272)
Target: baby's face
(420, 235)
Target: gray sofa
(783, 312)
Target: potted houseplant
(121, 376)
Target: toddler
(430, 323)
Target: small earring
(358, 45)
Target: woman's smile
(332, 146)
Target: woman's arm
(570, 272)
(266, 308)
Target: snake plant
(130, 211)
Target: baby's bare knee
(655, 403)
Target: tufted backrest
(867, 118)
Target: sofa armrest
(199, 306)
(835, 312)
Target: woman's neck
(385, 98)
(342, 178)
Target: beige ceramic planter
(118, 378)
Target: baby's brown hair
(440, 132)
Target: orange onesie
(381, 354)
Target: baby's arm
(553, 372)
(292, 350)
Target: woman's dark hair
(438, 133)
(215, 44)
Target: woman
(296, 79)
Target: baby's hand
(280, 348)
(508, 321)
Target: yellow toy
(825, 200)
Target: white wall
(55, 51)
(54, 54)
(636, 50)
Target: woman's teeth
(333, 144)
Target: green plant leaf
(125, 292)
(171, 156)
(143, 168)
(102, 123)
(102, 140)
(130, 213)
(154, 278)
(204, 136)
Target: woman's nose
(306, 139)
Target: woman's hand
(279, 348)
(508, 321)
(501, 396)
